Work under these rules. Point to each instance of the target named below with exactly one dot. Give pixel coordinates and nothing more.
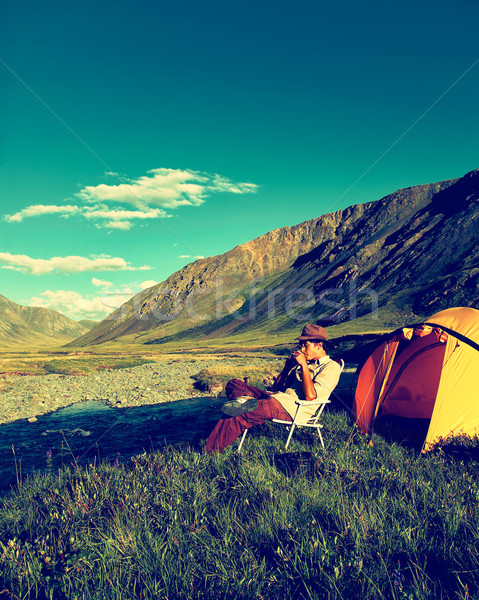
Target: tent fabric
(462, 320)
(371, 382)
(457, 404)
(425, 378)
(414, 379)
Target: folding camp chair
(298, 421)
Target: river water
(88, 432)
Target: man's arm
(308, 385)
(280, 380)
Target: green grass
(381, 522)
(219, 375)
(44, 363)
(89, 364)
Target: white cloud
(102, 212)
(122, 225)
(196, 256)
(90, 306)
(72, 304)
(11, 268)
(147, 284)
(121, 219)
(165, 188)
(107, 218)
(101, 283)
(37, 210)
(151, 195)
(65, 264)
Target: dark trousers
(229, 429)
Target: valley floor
(165, 380)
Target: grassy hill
(381, 522)
(35, 327)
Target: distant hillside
(35, 326)
(413, 252)
(89, 323)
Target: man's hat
(313, 332)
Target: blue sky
(135, 137)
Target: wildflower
(398, 578)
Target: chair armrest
(312, 402)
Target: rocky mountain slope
(35, 326)
(414, 251)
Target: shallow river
(92, 431)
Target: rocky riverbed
(27, 396)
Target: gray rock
(152, 383)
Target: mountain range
(409, 254)
(35, 326)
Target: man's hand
(308, 386)
(300, 358)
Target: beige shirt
(325, 374)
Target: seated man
(308, 374)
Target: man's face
(310, 349)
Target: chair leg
(320, 437)
(289, 436)
(242, 440)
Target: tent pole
(383, 385)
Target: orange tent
(433, 377)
